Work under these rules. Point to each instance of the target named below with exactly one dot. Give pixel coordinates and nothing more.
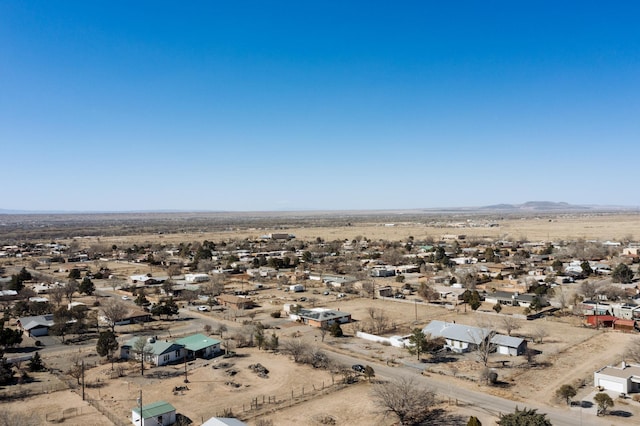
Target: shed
(600, 320)
(508, 345)
(624, 325)
(154, 414)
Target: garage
(611, 385)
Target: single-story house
(159, 413)
(458, 337)
(320, 317)
(223, 421)
(157, 351)
(623, 379)
(196, 278)
(147, 279)
(35, 326)
(199, 346)
(514, 299)
(386, 291)
(235, 302)
(509, 345)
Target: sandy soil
(544, 227)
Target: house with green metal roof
(157, 351)
(154, 414)
(199, 346)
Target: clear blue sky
(274, 105)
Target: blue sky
(281, 105)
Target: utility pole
(140, 406)
(186, 380)
(82, 379)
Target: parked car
(341, 295)
(326, 293)
(125, 297)
(203, 308)
(358, 368)
(399, 296)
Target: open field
(176, 228)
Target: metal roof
(459, 332)
(197, 342)
(154, 409)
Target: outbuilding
(154, 414)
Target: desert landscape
(565, 349)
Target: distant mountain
(536, 206)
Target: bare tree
(510, 324)
(405, 399)
(70, 288)
(142, 349)
(75, 370)
(297, 348)
(540, 333)
(114, 311)
(378, 320)
(221, 329)
(588, 289)
(57, 295)
(484, 346)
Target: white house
(196, 278)
(297, 288)
(623, 379)
(158, 413)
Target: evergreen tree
(36, 363)
(107, 345)
(86, 286)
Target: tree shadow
(620, 413)
(440, 417)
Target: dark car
(358, 367)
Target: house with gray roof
(509, 345)
(156, 351)
(514, 299)
(464, 338)
(320, 317)
(458, 337)
(35, 326)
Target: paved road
(478, 400)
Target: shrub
(275, 314)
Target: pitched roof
(27, 323)
(322, 315)
(223, 421)
(459, 332)
(154, 409)
(156, 347)
(506, 341)
(197, 342)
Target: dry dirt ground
(545, 227)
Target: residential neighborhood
(480, 310)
